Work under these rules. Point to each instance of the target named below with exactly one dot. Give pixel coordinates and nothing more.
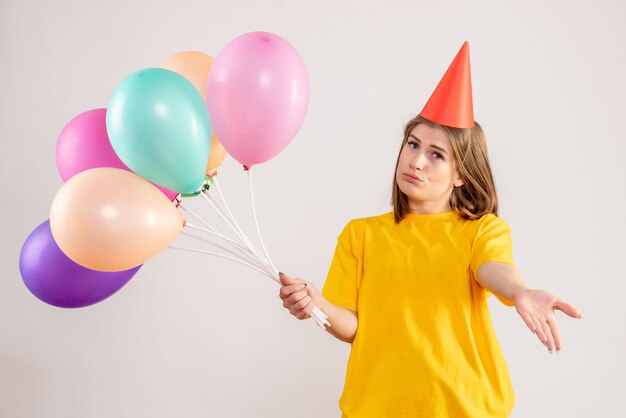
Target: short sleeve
(491, 243)
(341, 286)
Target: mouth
(412, 178)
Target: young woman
(408, 289)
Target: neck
(425, 208)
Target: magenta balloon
(257, 95)
(84, 144)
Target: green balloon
(159, 126)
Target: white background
(195, 336)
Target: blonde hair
(477, 196)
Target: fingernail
(550, 351)
(579, 315)
(557, 351)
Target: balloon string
(232, 223)
(214, 232)
(256, 223)
(318, 316)
(230, 215)
(243, 257)
(197, 217)
(219, 192)
(211, 230)
(245, 254)
(222, 256)
(221, 213)
(262, 264)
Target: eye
(413, 145)
(437, 156)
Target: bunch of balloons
(126, 167)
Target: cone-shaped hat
(451, 102)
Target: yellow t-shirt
(425, 345)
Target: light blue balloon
(159, 126)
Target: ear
(458, 181)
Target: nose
(417, 162)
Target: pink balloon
(84, 144)
(257, 95)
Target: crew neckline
(421, 217)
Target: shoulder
(490, 224)
(490, 219)
(358, 226)
(371, 221)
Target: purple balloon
(55, 279)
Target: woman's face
(426, 170)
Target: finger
(299, 312)
(308, 308)
(554, 328)
(286, 280)
(296, 287)
(305, 311)
(302, 303)
(311, 289)
(567, 309)
(528, 321)
(539, 331)
(548, 334)
(287, 290)
(294, 298)
(302, 315)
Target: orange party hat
(451, 102)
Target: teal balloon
(159, 126)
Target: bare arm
(503, 280)
(300, 296)
(535, 306)
(343, 321)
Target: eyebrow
(433, 146)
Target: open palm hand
(536, 307)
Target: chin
(412, 196)
(406, 187)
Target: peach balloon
(111, 220)
(192, 65)
(195, 67)
(216, 154)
